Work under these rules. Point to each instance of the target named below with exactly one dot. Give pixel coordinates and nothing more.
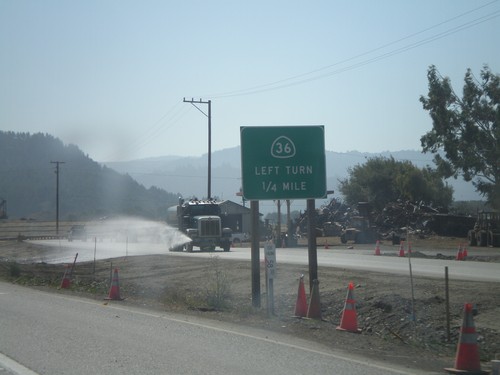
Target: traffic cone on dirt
(301, 304)
(114, 291)
(377, 248)
(349, 321)
(66, 280)
(467, 358)
(402, 249)
(460, 255)
(409, 248)
(314, 310)
(464, 252)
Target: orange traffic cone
(402, 249)
(114, 291)
(464, 253)
(66, 280)
(409, 248)
(460, 255)
(349, 321)
(301, 304)
(377, 248)
(467, 358)
(314, 310)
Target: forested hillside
(87, 190)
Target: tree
(466, 129)
(381, 180)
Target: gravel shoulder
(220, 289)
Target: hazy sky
(110, 76)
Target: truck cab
(201, 221)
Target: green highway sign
(283, 162)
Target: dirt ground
(220, 289)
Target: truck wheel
(343, 239)
(227, 247)
(189, 247)
(482, 238)
(495, 239)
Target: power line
(172, 118)
(282, 83)
(165, 122)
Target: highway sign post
(270, 260)
(283, 162)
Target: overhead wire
(165, 122)
(169, 119)
(225, 94)
(176, 113)
(276, 85)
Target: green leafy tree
(381, 180)
(466, 130)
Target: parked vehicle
(360, 228)
(359, 231)
(239, 238)
(486, 231)
(77, 232)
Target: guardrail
(28, 238)
(32, 230)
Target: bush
(217, 292)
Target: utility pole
(57, 193)
(209, 115)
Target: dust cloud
(113, 238)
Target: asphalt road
(46, 333)
(361, 258)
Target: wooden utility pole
(209, 115)
(57, 193)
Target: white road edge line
(14, 366)
(393, 370)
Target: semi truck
(201, 221)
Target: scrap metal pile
(361, 223)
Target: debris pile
(393, 222)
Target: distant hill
(188, 175)
(146, 187)
(86, 188)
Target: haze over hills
(87, 190)
(188, 175)
(143, 187)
